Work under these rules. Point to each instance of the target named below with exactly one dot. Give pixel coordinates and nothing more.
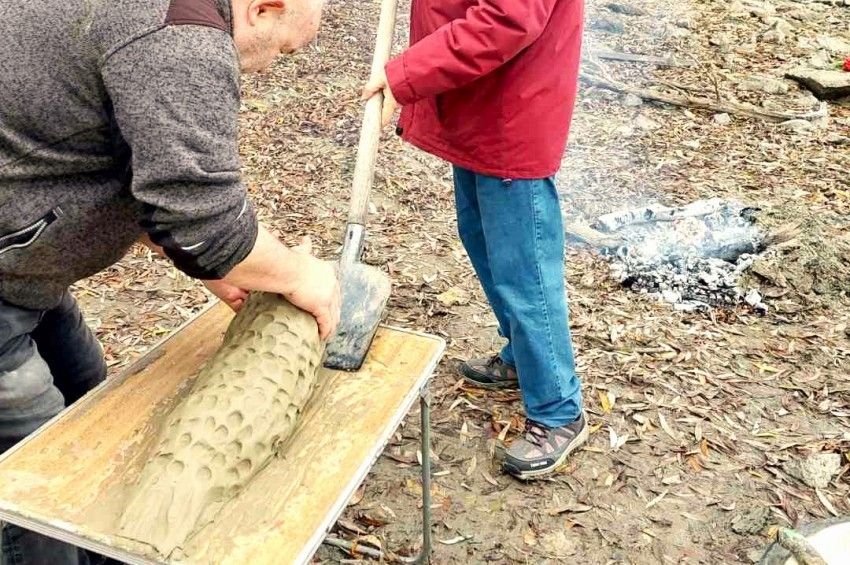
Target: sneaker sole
(469, 377)
(580, 439)
(491, 386)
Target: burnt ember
(691, 256)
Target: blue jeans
(48, 359)
(514, 235)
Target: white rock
(692, 144)
(760, 9)
(752, 297)
(763, 84)
(671, 296)
(774, 36)
(783, 26)
(722, 119)
(684, 22)
(737, 8)
(802, 15)
(632, 101)
(834, 44)
(821, 60)
(816, 470)
(797, 126)
(646, 124)
(720, 40)
(676, 31)
(625, 131)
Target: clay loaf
(244, 403)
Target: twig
(354, 548)
(638, 58)
(705, 103)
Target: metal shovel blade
(365, 291)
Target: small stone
(671, 296)
(821, 60)
(753, 298)
(610, 24)
(625, 9)
(801, 15)
(783, 26)
(834, 45)
(836, 139)
(774, 36)
(751, 521)
(692, 144)
(684, 23)
(797, 126)
(625, 131)
(559, 544)
(816, 470)
(826, 85)
(779, 31)
(723, 119)
(646, 124)
(759, 9)
(720, 40)
(763, 84)
(805, 44)
(632, 101)
(676, 32)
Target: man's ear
(259, 9)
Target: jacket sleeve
(490, 34)
(175, 97)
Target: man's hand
(375, 85)
(316, 289)
(231, 295)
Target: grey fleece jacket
(117, 117)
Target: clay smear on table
(243, 405)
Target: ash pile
(689, 256)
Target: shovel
(365, 289)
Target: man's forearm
(270, 266)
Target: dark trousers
(48, 360)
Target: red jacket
(489, 85)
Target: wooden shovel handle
(370, 130)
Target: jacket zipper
(27, 236)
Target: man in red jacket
(489, 85)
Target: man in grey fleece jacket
(118, 123)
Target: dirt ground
(695, 417)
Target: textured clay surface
(243, 405)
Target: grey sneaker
(492, 373)
(541, 450)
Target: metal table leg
(425, 419)
(424, 555)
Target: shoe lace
(494, 361)
(534, 433)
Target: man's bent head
(263, 29)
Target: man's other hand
(377, 84)
(233, 296)
(316, 289)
